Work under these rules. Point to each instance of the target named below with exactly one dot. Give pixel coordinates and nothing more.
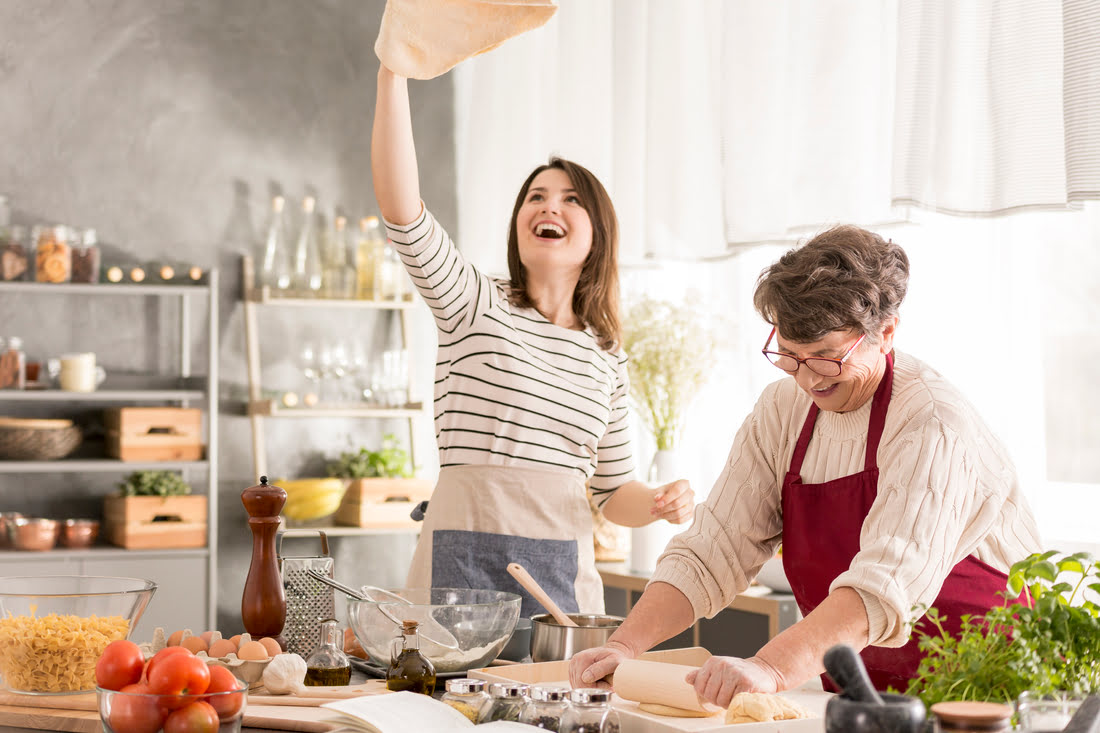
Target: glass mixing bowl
(53, 628)
(126, 712)
(477, 623)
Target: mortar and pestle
(859, 708)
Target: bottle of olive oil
(409, 669)
(328, 665)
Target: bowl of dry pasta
(53, 628)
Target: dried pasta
(55, 653)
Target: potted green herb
(1048, 643)
(155, 509)
(381, 489)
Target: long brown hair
(596, 297)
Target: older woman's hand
(720, 678)
(674, 501)
(588, 668)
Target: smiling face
(859, 376)
(553, 229)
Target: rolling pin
(661, 683)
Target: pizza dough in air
(760, 707)
(421, 39)
(657, 708)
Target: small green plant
(1049, 643)
(154, 483)
(389, 461)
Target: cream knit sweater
(947, 489)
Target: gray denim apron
(481, 518)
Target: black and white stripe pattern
(511, 388)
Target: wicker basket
(37, 440)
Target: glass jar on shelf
(468, 697)
(52, 254)
(369, 248)
(589, 711)
(546, 707)
(306, 278)
(338, 276)
(13, 364)
(328, 665)
(509, 699)
(85, 258)
(273, 269)
(14, 258)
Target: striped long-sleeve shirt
(511, 388)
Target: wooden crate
(154, 433)
(154, 522)
(381, 502)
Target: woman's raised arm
(392, 151)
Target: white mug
(79, 373)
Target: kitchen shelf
(96, 465)
(262, 296)
(335, 531)
(102, 288)
(121, 388)
(271, 408)
(97, 552)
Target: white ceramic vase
(648, 542)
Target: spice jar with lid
(468, 697)
(546, 707)
(509, 699)
(14, 260)
(85, 258)
(328, 665)
(966, 716)
(589, 711)
(52, 254)
(13, 368)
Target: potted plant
(381, 490)
(154, 509)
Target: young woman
(531, 387)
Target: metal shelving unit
(183, 388)
(259, 408)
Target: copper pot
(79, 533)
(34, 534)
(5, 529)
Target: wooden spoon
(524, 578)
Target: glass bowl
(140, 712)
(53, 628)
(479, 621)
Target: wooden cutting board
(314, 696)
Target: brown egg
(194, 644)
(236, 640)
(175, 638)
(271, 646)
(222, 648)
(252, 650)
(208, 637)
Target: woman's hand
(720, 678)
(589, 667)
(674, 501)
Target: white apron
(480, 518)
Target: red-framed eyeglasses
(816, 364)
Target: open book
(401, 712)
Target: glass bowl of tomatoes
(174, 691)
(54, 628)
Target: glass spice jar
(14, 260)
(546, 707)
(589, 711)
(468, 697)
(13, 373)
(328, 665)
(85, 258)
(509, 700)
(967, 716)
(52, 254)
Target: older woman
(886, 489)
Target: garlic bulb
(285, 674)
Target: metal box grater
(308, 601)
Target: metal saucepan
(551, 641)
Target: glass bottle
(589, 711)
(85, 258)
(14, 260)
(369, 250)
(547, 706)
(392, 277)
(273, 264)
(409, 669)
(306, 280)
(52, 254)
(469, 698)
(338, 279)
(509, 699)
(328, 665)
(13, 365)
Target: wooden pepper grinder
(263, 605)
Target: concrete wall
(166, 126)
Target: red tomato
(198, 717)
(133, 714)
(222, 680)
(120, 664)
(179, 674)
(160, 656)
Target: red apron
(821, 529)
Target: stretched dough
(760, 707)
(657, 708)
(421, 39)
